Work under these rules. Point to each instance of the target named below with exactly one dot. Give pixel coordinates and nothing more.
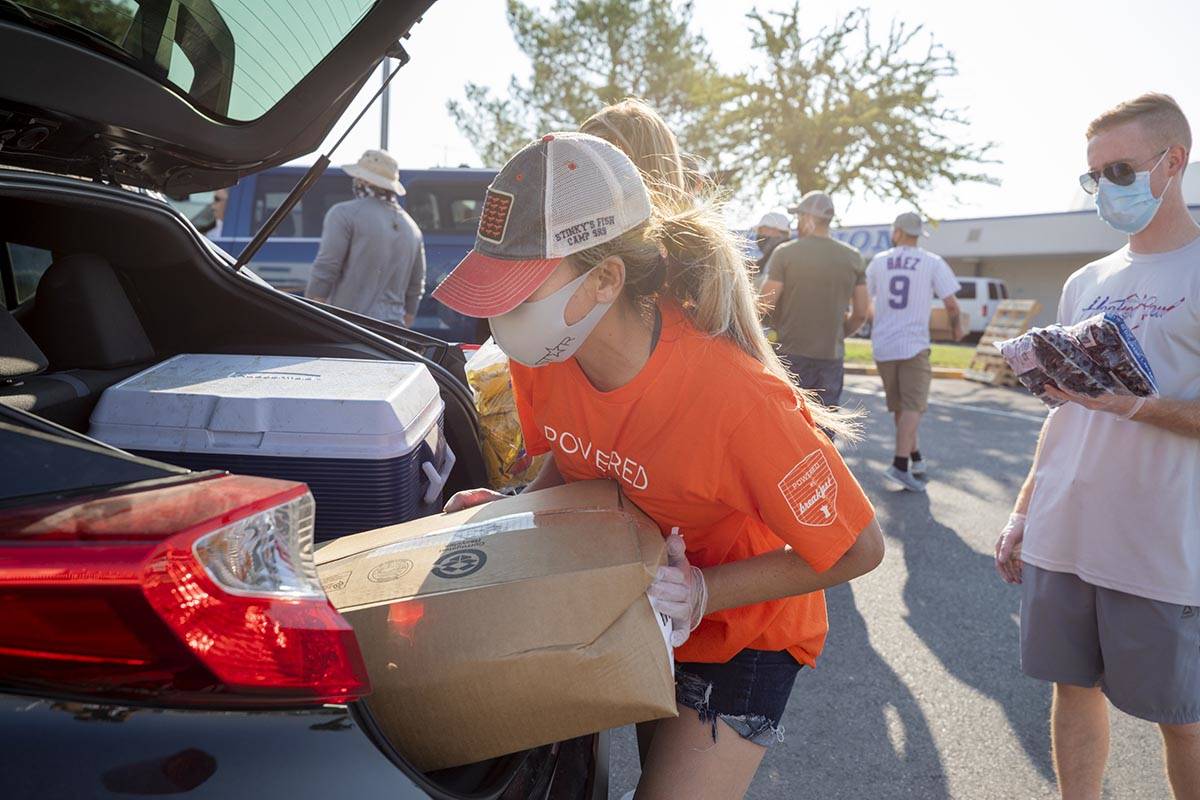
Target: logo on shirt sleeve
(810, 490)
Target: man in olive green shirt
(817, 287)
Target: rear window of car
(967, 291)
(435, 207)
(234, 58)
(993, 291)
(446, 208)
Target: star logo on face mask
(557, 352)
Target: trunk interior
(131, 284)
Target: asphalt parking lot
(919, 693)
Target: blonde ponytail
(706, 271)
(708, 275)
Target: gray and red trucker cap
(565, 193)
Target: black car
(125, 668)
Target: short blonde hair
(1158, 114)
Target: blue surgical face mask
(1130, 208)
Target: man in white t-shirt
(903, 283)
(1105, 535)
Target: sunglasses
(1122, 173)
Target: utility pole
(383, 105)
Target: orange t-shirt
(705, 439)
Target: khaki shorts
(906, 383)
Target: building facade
(1034, 254)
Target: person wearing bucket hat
(372, 255)
(652, 370)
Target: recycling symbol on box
(459, 564)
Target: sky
(1031, 76)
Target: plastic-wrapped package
(1021, 357)
(1097, 356)
(1109, 342)
(509, 466)
(488, 377)
(1069, 365)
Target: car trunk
(186, 298)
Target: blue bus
(444, 202)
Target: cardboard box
(939, 325)
(508, 626)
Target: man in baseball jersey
(903, 283)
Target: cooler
(365, 435)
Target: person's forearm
(416, 290)
(782, 573)
(769, 295)
(1026, 493)
(853, 323)
(1178, 416)
(548, 476)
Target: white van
(979, 298)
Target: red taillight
(225, 610)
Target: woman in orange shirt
(653, 371)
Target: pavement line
(963, 406)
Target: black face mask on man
(766, 244)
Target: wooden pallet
(1013, 317)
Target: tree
(586, 54)
(840, 110)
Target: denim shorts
(749, 692)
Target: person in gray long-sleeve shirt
(372, 256)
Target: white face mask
(536, 334)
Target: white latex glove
(1008, 549)
(1121, 405)
(679, 591)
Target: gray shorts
(1144, 654)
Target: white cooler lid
(272, 406)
